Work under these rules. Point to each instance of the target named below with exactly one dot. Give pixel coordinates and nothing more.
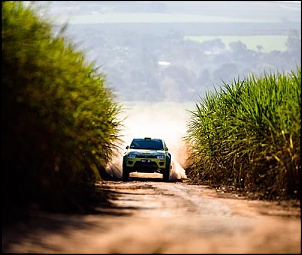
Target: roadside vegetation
(246, 137)
(60, 121)
(61, 125)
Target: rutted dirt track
(152, 216)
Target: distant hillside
(189, 18)
(130, 41)
(273, 11)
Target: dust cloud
(166, 120)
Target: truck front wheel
(125, 174)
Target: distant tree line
(163, 66)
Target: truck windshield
(153, 144)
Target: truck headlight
(131, 156)
(160, 156)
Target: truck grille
(145, 156)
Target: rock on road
(152, 216)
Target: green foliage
(60, 123)
(247, 136)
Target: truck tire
(125, 174)
(166, 173)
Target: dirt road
(152, 216)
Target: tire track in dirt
(152, 216)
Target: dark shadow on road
(154, 179)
